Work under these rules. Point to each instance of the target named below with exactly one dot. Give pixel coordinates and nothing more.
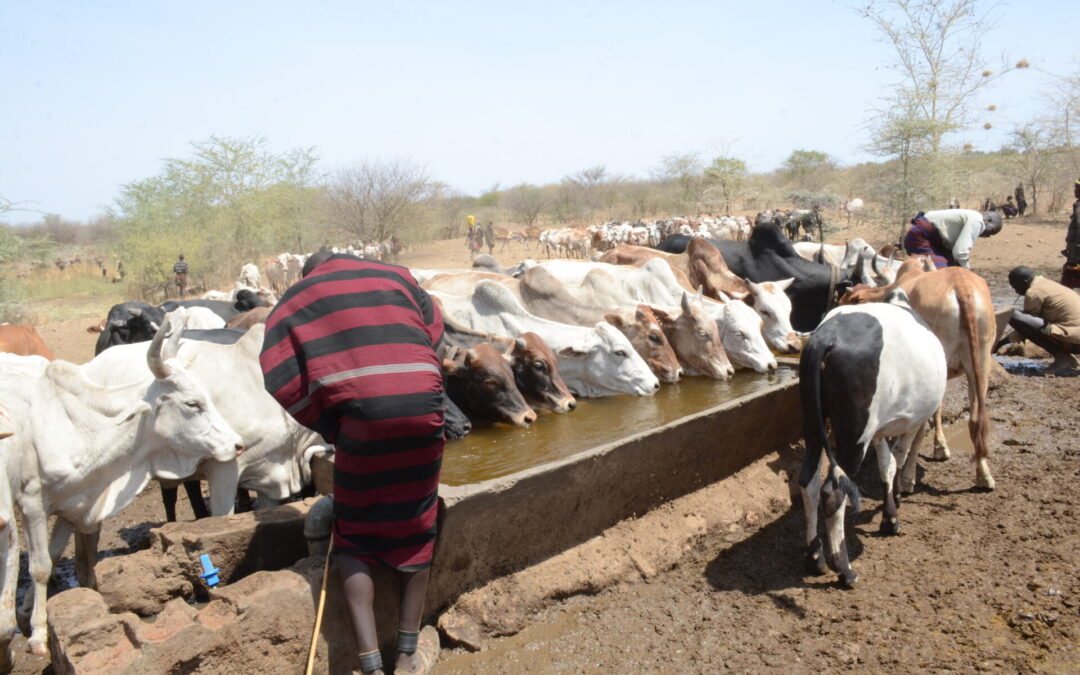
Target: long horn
(873, 265)
(172, 347)
(154, 359)
(860, 269)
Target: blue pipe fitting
(210, 573)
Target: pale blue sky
(95, 94)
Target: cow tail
(969, 321)
(816, 436)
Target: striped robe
(350, 352)
(923, 238)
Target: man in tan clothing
(1050, 319)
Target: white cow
(654, 284)
(82, 453)
(196, 318)
(875, 270)
(276, 462)
(597, 361)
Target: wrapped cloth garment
(350, 352)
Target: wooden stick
(319, 611)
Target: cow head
(741, 333)
(608, 365)
(481, 380)
(648, 339)
(769, 299)
(180, 414)
(696, 339)
(536, 372)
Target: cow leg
(9, 553)
(193, 488)
(941, 446)
(890, 522)
(168, 500)
(810, 486)
(86, 550)
(37, 539)
(911, 463)
(979, 423)
(834, 500)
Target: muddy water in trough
(498, 450)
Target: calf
(82, 453)
(23, 340)
(876, 373)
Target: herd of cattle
(85, 440)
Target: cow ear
(140, 408)
(661, 315)
(571, 352)
(615, 320)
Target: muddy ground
(976, 581)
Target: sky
(96, 94)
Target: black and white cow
(878, 374)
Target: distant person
(954, 203)
(1050, 319)
(489, 237)
(1070, 273)
(1021, 202)
(180, 270)
(948, 236)
(1008, 209)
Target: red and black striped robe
(350, 352)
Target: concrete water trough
(153, 614)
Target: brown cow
(535, 366)
(480, 381)
(957, 306)
(696, 339)
(700, 265)
(22, 340)
(548, 298)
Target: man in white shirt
(948, 236)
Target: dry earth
(976, 581)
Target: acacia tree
(808, 169)
(1036, 145)
(937, 47)
(687, 172)
(727, 175)
(223, 205)
(526, 202)
(374, 199)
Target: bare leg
(413, 592)
(360, 597)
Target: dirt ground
(976, 581)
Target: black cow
(127, 323)
(769, 256)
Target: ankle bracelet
(371, 661)
(406, 641)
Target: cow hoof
(985, 482)
(37, 647)
(848, 579)
(941, 454)
(815, 563)
(889, 527)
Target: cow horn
(820, 257)
(860, 269)
(154, 359)
(471, 356)
(521, 343)
(873, 265)
(172, 347)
